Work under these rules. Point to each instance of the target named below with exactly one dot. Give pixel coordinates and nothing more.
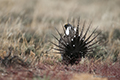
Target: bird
(74, 45)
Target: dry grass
(26, 26)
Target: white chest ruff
(68, 30)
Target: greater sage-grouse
(74, 44)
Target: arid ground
(26, 28)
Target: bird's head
(68, 26)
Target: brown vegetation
(26, 27)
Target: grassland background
(40, 17)
(44, 13)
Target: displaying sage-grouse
(74, 45)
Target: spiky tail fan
(74, 46)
